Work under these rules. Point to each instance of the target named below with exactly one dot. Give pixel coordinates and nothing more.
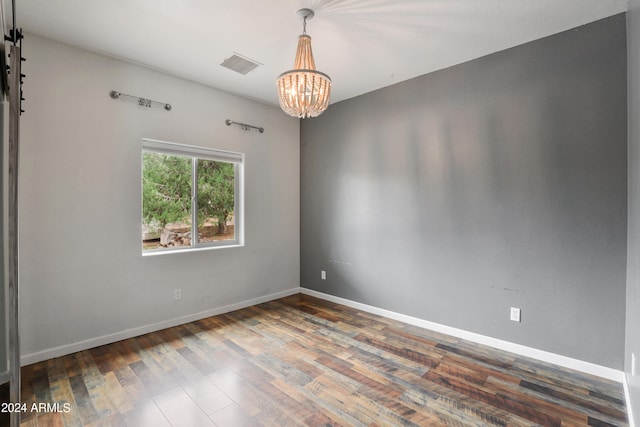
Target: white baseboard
(544, 356)
(62, 350)
(627, 396)
(556, 359)
(522, 350)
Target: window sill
(185, 250)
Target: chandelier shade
(304, 92)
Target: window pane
(166, 201)
(216, 201)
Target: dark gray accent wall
(633, 245)
(497, 183)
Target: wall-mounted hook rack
(244, 126)
(143, 102)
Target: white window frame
(195, 153)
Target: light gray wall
(633, 239)
(82, 273)
(496, 183)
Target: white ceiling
(362, 44)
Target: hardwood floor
(302, 361)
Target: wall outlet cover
(515, 314)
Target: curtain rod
(244, 126)
(143, 102)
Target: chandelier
(304, 92)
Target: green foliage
(215, 192)
(166, 190)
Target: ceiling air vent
(240, 64)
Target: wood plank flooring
(301, 361)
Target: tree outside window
(189, 197)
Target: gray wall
(83, 278)
(495, 183)
(633, 239)
(4, 331)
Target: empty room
(320, 213)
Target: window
(191, 197)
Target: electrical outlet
(177, 294)
(323, 275)
(515, 314)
